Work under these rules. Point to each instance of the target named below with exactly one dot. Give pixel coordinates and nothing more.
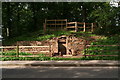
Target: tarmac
(77, 63)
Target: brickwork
(75, 46)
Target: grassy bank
(99, 40)
(35, 36)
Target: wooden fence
(55, 24)
(50, 50)
(65, 25)
(79, 25)
(17, 49)
(85, 51)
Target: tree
(106, 16)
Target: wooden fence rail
(50, 52)
(65, 25)
(85, 51)
(17, 48)
(61, 23)
(57, 20)
(103, 45)
(2, 47)
(83, 25)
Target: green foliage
(106, 17)
(28, 17)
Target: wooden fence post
(66, 25)
(75, 26)
(17, 51)
(55, 25)
(2, 50)
(84, 27)
(91, 27)
(50, 50)
(67, 45)
(61, 25)
(85, 49)
(8, 32)
(44, 26)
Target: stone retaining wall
(51, 43)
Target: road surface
(60, 72)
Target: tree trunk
(34, 16)
(8, 20)
(84, 12)
(18, 19)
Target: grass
(39, 36)
(56, 58)
(13, 54)
(35, 36)
(43, 57)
